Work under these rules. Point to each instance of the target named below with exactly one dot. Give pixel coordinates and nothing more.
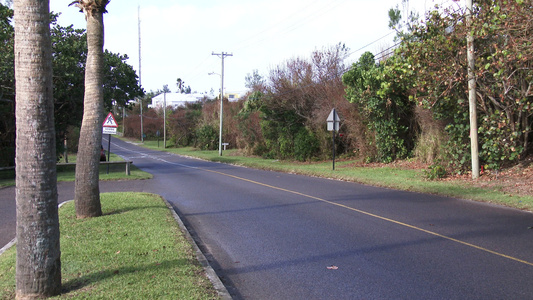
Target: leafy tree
(38, 270)
(182, 88)
(120, 81)
(69, 51)
(7, 88)
(166, 89)
(87, 192)
(251, 136)
(402, 21)
(384, 101)
(284, 115)
(254, 81)
(206, 138)
(504, 80)
(505, 31)
(182, 123)
(179, 83)
(69, 48)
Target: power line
(294, 25)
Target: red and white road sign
(110, 121)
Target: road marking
(347, 207)
(375, 216)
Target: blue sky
(178, 37)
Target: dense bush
(206, 138)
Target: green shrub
(206, 138)
(435, 171)
(306, 145)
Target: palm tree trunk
(87, 191)
(38, 271)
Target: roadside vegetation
(134, 251)
(407, 102)
(401, 103)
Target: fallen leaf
(332, 267)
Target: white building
(175, 99)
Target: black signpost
(333, 126)
(109, 127)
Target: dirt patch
(517, 180)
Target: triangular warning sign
(110, 121)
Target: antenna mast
(140, 82)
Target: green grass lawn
(135, 251)
(67, 173)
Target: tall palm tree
(87, 190)
(38, 271)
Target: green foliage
(206, 138)
(69, 52)
(381, 93)
(182, 124)
(120, 81)
(248, 121)
(69, 48)
(7, 88)
(496, 150)
(435, 171)
(306, 145)
(503, 63)
(279, 128)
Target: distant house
(175, 100)
(231, 96)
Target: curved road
(280, 236)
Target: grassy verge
(387, 176)
(135, 251)
(67, 173)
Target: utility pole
(472, 92)
(221, 55)
(139, 30)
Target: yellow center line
(376, 216)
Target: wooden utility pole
(472, 92)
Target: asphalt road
(280, 236)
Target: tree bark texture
(38, 267)
(87, 191)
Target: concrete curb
(8, 245)
(210, 272)
(14, 241)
